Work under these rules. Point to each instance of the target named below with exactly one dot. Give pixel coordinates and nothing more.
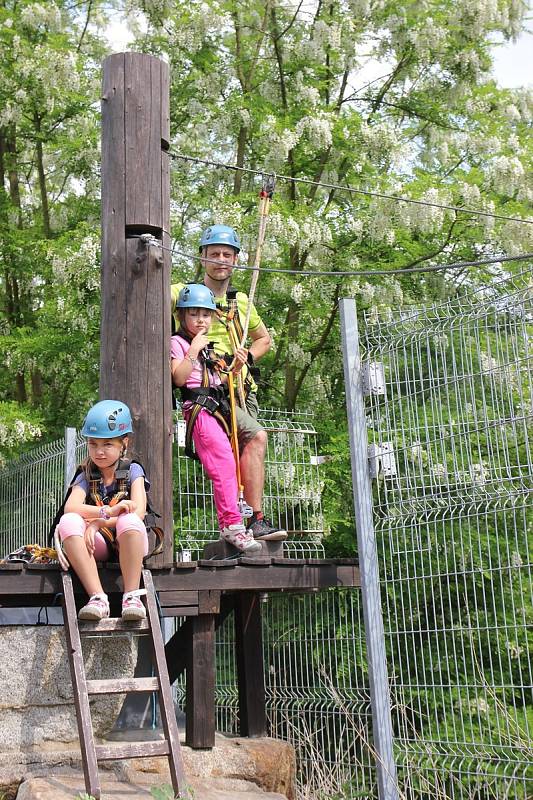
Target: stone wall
(36, 704)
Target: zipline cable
(351, 189)
(353, 273)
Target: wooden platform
(202, 594)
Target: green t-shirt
(218, 332)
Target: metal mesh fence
(453, 519)
(292, 496)
(31, 490)
(315, 672)
(316, 685)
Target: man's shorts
(247, 424)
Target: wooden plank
(132, 750)
(166, 703)
(122, 685)
(180, 611)
(112, 625)
(209, 602)
(178, 598)
(79, 687)
(200, 690)
(250, 664)
(249, 578)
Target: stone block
(36, 704)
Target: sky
(513, 61)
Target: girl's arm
(181, 368)
(138, 495)
(77, 505)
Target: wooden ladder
(90, 751)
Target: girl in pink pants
(101, 512)
(196, 305)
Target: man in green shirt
(219, 249)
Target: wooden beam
(43, 585)
(135, 277)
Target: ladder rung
(113, 624)
(119, 685)
(131, 750)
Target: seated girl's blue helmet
(196, 295)
(107, 419)
(220, 234)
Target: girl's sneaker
(97, 608)
(238, 536)
(132, 608)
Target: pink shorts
(72, 524)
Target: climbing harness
(96, 497)
(211, 398)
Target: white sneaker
(97, 608)
(238, 536)
(132, 607)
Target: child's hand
(240, 357)
(198, 343)
(89, 535)
(124, 507)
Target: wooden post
(200, 691)
(250, 667)
(135, 277)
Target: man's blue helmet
(220, 234)
(196, 295)
(107, 419)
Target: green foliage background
(278, 87)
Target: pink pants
(214, 451)
(72, 524)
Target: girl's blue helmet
(107, 419)
(196, 295)
(220, 234)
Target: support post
(135, 276)
(250, 665)
(200, 690)
(70, 456)
(368, 558)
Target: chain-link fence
(449, 435)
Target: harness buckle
(208, 402)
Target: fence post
(368, 558)
(70, 456)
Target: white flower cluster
(304, 94)
(380, 140)
(297, 355)
(17, 433)
(317, 129)
(506, 174)
(297, 293)
(479, 474)
(41, 15)
(327, 36)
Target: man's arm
(261, 342)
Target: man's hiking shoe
(132, 607)
(264, 529)
(97, 608)
(238, 536)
